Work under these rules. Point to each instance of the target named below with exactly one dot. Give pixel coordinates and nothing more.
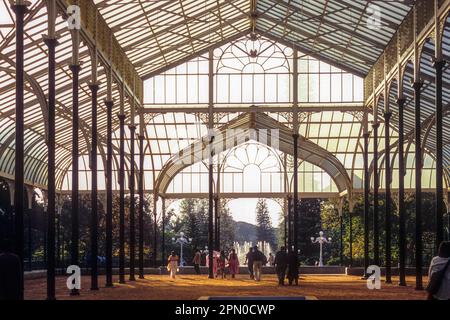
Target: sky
(244, 210)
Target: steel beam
(405, 45)
(308, 107)
(109, 49)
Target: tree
(227, 226)
(281, 230)
(308, 226)
(193, 221)
(264, 230)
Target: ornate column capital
(387, 116)
(50, 42)
(94, 86)
(439, 64)
(417, 85)
(401, 102)
(109, 104)
(20, 7)
(75, 68)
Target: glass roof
(157, 35)
(168, 42)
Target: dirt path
(193, 287)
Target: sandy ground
(188, 287)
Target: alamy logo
(217, 141)
(374, 19)
(74, 280)
(374, 280)
(74, 19)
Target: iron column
(350, 227)
(75, 68)
(387, 118)
(439, 65)
(295, 239)
(163, 229)
(210, 211)
(216, 223)
(376, 234)
(20, 9)
(51, 167)
(109, 197)
(141, 206)
(401, 192)
(132, 206)
(289, 222)
(122, 200)
(155, 230)
(418, 159)
(366, 202)
(341, 240)
(94, 193)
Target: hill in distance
(245, 231)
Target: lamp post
(320, 240)
(182, 240)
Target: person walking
(197, 260)
(439, 274)
(281, 262)
(10, 273)
(249, 262)
(293, 265)
(216, 255)
(271, 259)
(259, 259)
(221, 264)
(172, 266)
(233, 263)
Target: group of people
(223, 263)
(286, 264)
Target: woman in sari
(216, 255)
(172, 266)
(233, 263)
